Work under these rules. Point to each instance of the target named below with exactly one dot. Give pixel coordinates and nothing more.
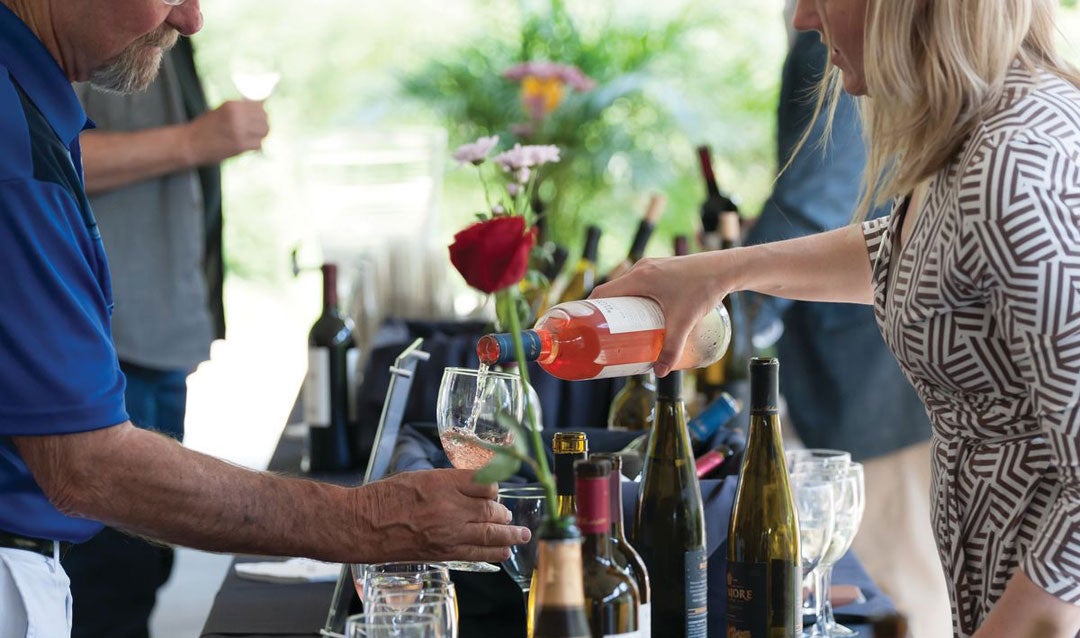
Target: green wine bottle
(612, 604)
(764, 578)
(669, 525)
(632, 407)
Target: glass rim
(471, 372)
(522, 491)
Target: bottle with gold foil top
(568, 447)
(558, 592)
(622, 553)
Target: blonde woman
(973, 127)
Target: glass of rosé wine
(472, 411)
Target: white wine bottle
(611, 337)
(669, 525)
(764, 578)
(632, 407)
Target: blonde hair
(932, 81)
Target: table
(491, 604)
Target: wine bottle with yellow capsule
(669, 525)
(568, 447)
(764, 577)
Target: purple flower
(521, 157)
(476, 152)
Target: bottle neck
(498, 348)
(592, 245)
(564, 473)
(594, 515)
(669, 388)
(641, 240)
(330, 293)
(615, 500)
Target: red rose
(494, 254)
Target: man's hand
(230, 129)
(433, 515)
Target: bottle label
(645, 620)
(750, 612)
(317, 388)
(624, 370)
(352, 379)
(629, 634)
(697, 593)
(630, 314)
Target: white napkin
(294, 570)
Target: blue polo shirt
(58, 370)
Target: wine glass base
(471, 566)
(836, 630)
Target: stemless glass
(399, 576)
(393, 625)
(471, 411)
(527, 505)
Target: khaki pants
(895, 542)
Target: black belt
(36, 545)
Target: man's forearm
(157, 488)
(113, 159)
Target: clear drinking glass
(527, 505)
(814, 503)
(399, 575)
(438, 601)
(471, 411)
(393, 625)
(848, 505)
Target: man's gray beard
(130, 72)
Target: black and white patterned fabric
(982, 308)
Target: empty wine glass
(814, 503)
(393, 625)
(848, 505)
(439, 601)
(527, 505)
(472, 410)
(255, 76)
(370, 579)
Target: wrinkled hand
(685, 287)
(230, 129)
(433, 515)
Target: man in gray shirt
(152, 172)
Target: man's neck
(38, 17)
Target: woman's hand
(685, 287)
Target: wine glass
(471, 411)
(848, 505)
(815, 506)
(439, 601)
(393, 625)
(399, 575)
(527, 505)
(254, 76)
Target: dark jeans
(114, 576)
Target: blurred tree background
(670, 76)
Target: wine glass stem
(825, 613)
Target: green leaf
(499, 468)
(521, 436)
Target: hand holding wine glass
(472, 410)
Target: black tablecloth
(490, 604)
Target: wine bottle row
(661, 587)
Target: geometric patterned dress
(982, 308)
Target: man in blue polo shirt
(69, 456)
